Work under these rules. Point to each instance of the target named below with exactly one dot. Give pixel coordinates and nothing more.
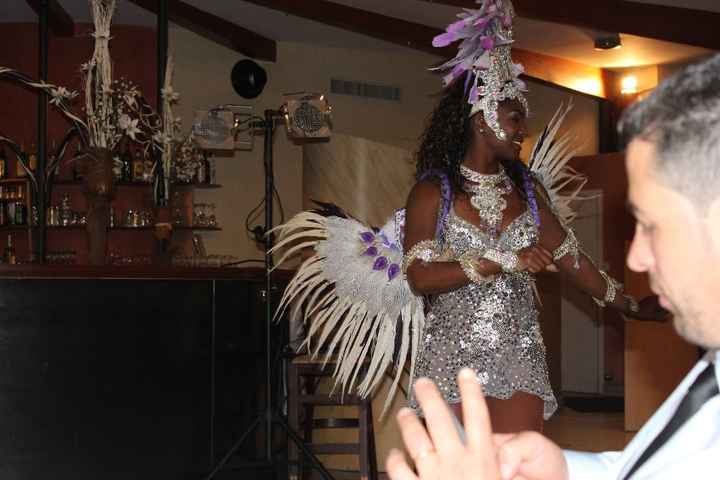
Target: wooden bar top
(138, 272)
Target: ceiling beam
(661, 22)
(371, 24)
(552, 70)
(59, 20)
(216, 29)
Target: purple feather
(393, 271)
(367, 237)
(381, 263)
(444, 39)
(371, 252)
(487, 43)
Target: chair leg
(363, 431)
(371, 448)
(293, 420)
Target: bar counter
(129, 372)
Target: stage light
(608, 42)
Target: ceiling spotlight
(608, 42)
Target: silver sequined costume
(492, 327)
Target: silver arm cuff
(425, 250)
(569, 246)
(468, 263)
(507, 260)
(613, 286)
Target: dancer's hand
(534, 259)
(438, 452)
(650, 309)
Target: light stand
(269, 416)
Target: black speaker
(248, 78)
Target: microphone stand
(269, 416)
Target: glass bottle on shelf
(51, 158)
(65, 212)
(148, 165)
(3, 163)
(127, 160)
(19, 169)
(9, 256)
(212, 175)
(3, 216)
(32, 158)
(138, 167)
(200, 172)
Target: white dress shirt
(693, 452)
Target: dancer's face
(511, 117)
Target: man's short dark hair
(681, 118)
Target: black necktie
(703, 389)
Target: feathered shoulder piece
(548, 165)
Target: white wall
(202, 76)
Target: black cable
(282, 210)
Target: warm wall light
(588, 85)
(629, 84)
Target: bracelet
(425, 250)
(569, 246)
(612, 288)
(508, 261)
(633, 306)
(468, 264)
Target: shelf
(14, 180)
(79, 183)
(195, 185)
(10, 228)
(125, 228)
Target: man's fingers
(478, 430)
(397, 467)
(416, 439)
(522, 448)
(438, 417)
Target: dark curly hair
(449, 135)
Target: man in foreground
(673, 165)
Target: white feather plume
(354, 312)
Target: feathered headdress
(484, 55)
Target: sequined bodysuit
(492, 328)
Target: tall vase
(97, 168)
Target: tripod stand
(269, 416)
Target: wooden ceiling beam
(547, 69)
(216, 29)
(661, 22)
(59, 20)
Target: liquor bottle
(212, 174)
(138, 167)
(32, 158)
(3, 163)
(201, 172)
(10, 257)
(208, 171)
(20, 213)
(19, 169)
(126, 159)
(51, 158)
